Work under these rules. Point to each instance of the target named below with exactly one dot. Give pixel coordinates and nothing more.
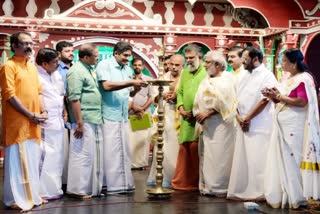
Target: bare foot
(85, 197)
(44, 201)
(261, 199)
(81, 197)
(221, 195)
(24, 211)
(15, 207)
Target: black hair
(167, 57)
(14, 38)
(254, 52)
(63, 44)
(295, 55)
(46, 55)
(121, 47)
(238, 49)
(137, 59)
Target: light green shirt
(83, 86)
(188, 87)
(114, 103)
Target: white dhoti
(85, 175)
(170, 148)
(250, 152)
(52, 167)
(216, 143)
(139, 144)
(117, 157)
(216, 152)
(21, 177)
(248, 166)
(65, 156)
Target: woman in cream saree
(292, 171)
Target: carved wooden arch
(311, 54)
(309, 9)
(308, 40)
(237, 6)
(237, 16)
(100, 14)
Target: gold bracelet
(279, 96)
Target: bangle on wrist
(278, 97)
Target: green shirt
(83, 86)
(188, 87)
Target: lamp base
(159, 192)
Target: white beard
(194, 67)
(212, 72)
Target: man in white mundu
(215, 109)
(140, 139)
(171, 125)
(85, 169)
(253, 128)
(115, 79)
(53, 93)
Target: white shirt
(249, 93)
(53, 93)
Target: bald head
(89, 54)
(176, 64)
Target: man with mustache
(85, 169)
(53, 93)
(235, 60)
(215, 109)
(166, 63)
(65, 50)
(116, 84)
(187, 170)
(254, 124)
(22, 111)
(140, 139)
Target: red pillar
(4, 55)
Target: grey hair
(217, 56)
(192, 47)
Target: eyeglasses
(26, 43)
